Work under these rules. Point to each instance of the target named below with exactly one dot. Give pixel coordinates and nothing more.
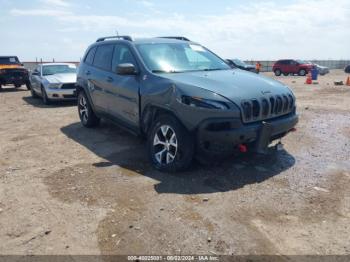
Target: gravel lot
(65, 189)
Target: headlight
(203, 103)
(54, 85)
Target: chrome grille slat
(266, 107)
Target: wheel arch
(151, 113)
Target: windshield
(9, 60)
(58, 69)
(179, 57)
(302, 62)
(239, 62)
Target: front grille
(15, 72)
(68, 86)
(265, 108)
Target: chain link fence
(266, 65)
(331, 64)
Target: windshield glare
(179, 57)
(58, 69)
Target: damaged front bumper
(224, 135)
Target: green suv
(182, 97)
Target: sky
(249, 30)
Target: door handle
(109, 79)
(87, 73)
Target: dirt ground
(65, 189)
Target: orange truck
(12, 72)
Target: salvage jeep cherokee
(182, 97)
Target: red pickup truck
(290, 66)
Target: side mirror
(35, 73)
(126, 69)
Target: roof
(159, 40)
(47, 64)
(145, 40)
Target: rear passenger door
(100, 76)
(123, 99)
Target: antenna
(116, 33)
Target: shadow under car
(117, 147)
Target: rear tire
(170, 146)
(302, 72)
(86, 114)
(277, 72)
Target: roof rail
(176, 37)
(123, 37)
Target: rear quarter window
(89, 58)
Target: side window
(90, 56)
(103, 57)
(122, 55)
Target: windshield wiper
(163, 71)
(214, 69)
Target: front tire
(32, 92)
(28, 86)
(86, 114)
(170, 146)
(277, 72)
(46, 100)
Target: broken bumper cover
(215, 137)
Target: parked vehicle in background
(12, 72)
(290, 66)
(347, 69)
(236, 63)
(182, 97)
(322, 70)
(54, 81)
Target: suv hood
(235, 85)
(62, 78)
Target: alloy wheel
(83, 109)
(165, 145)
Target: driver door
(123, 90)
